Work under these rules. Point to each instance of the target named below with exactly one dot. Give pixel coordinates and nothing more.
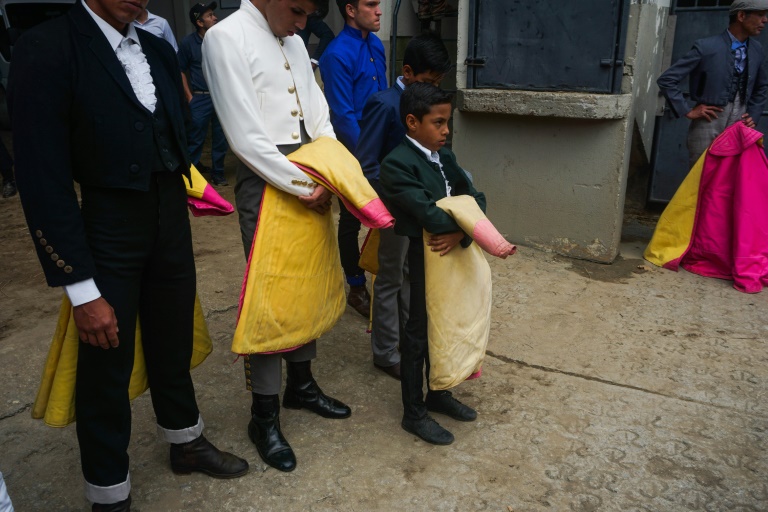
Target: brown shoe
(360, 300)
(200, 455)
(120, 506)
(393, 371)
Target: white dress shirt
(262, 87)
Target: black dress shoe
(309, 396)
(393, 370)
(271, 445)
(443, 402)
(428, 430)
(120, 506)
(200, 455)
(360, 300)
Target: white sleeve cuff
(314, 61)
(82, 292)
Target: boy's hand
(445, 242)
(319, 200)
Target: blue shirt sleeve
(374, 128)
(337, 81)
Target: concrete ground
(617, 388)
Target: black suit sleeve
(40, 103)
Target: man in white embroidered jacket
(269, 104)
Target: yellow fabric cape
(294, 287)
(458, 292)
(55, 401)
(673, 232)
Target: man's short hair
(427, 53)
(419, 98)
(343, 6)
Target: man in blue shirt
(353, 67)
(425, 59)
(196, 91)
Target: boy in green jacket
(414, 176)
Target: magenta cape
(729, 238)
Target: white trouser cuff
(184, 435)
(107, 495)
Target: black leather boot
(264, 431)
(302, 392)
(200, 455)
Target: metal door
(669, 157)
(547, 44)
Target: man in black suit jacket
(95, 101)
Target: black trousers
(349, 250)
(414, 352)
(142, 246)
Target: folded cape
(293, 289)
(202, 198)
(458, 293)
(716, 225)
(55, 401)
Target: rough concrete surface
(617, 388)
(577, 105)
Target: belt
(201, 92)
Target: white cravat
(137, 68)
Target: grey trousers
(263, 372)
(701, 132)
(391, 297)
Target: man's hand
(96, 323)
(747, 120)
(319, 200)
(707, 112)
(445, 242)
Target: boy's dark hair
(342, 4)
(419, 98)
(427, 52)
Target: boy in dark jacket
(414, 176)
(426, 59)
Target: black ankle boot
(301, 391)
(264, 431)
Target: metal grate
(699, 5)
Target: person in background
(156, 25)
(353, 67)
(425, 59)
(196, 91)
(318, 27)
(728, 79)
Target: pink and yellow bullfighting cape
(293, 289)
(458, 330)
(717, 222)
(55, 401)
